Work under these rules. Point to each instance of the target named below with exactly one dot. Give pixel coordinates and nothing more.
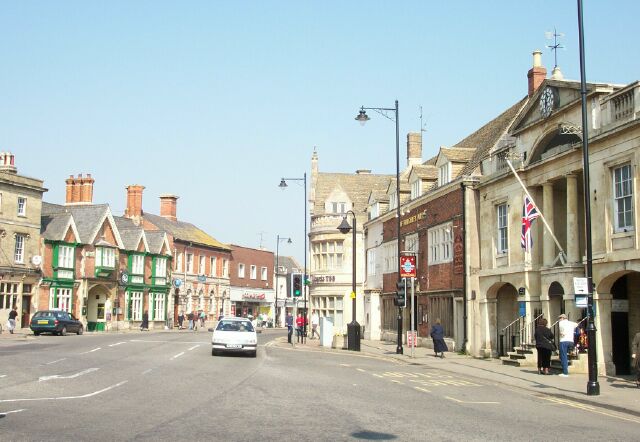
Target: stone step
(508, 361)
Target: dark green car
(55, 321)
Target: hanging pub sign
(408, 266)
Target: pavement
(616, 393)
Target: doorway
(26, 311)
(621, 353)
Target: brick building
(251, 279)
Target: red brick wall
(249, 257)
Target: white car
(234, 335)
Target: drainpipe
(464, 264)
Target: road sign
(411, 338)
(407, 266)
(581, 286)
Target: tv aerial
(555, 36)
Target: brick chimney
(7, 161)
(414, 148)
(86, 189)
(537, 73)
(169, 206)
(79, 190)
(134, 202)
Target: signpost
(408, 270)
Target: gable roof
(87, 220)
(288, 262)
(54, 226)
(424, 171)
(483, 139)
(356, 186)
(156, 240)
(185, 232)
(130, 233)
(457, 154)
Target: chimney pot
(134, 202)
(168, 206)
(536, 74)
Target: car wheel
(35, 333)
(80, 330)
(253, 354)
(63, 332)
(214, 353)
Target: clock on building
(548, 101)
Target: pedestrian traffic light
(401, 294)
(296, 284)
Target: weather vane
(555, 46)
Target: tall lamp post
(593, 387)
(283, 185)
(353, 328)
(362, 118)
(278, 239)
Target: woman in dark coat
(544, 345)
(437, 334)
(635, 350)
(144, 325)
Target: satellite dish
(36, 260)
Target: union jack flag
(529, 213)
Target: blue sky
(216, 101)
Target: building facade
(251, 276)
(21, 259)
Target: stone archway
(556, 301)
(500, 310)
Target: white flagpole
(544, 221)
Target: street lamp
(278, 239)
(283, 185)
(353, 328)
(593, 387)
(362, 118)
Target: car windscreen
(235, 326)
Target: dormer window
(444, 174)
(374, 211)
(338, 207)
(416, 189)
(393, 201)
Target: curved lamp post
(362, 118)
(283, 185)
(276, 320)
(353, 328)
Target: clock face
(547, 102)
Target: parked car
(55, 321)
(234, 335)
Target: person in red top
(299, 326)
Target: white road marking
(57, 376)
(91, 351)
(360, 369)
(57, 360)
(195, 346)
(345, 365)
(117, 343)
(65, 397)
(147, 371)
(4, 413)
(589, 408)
(397, 382)
(3, 375)
(422, 389)
(469, 402)
(177, 356)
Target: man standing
(566, 329)
(13, 314)
(315, 322)
(289, 322)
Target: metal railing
(529, 330)
(509, 337)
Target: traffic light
(296, 284)
(401, 294)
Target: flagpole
(544, 221)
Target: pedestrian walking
(299, 325)
(180, 319)
(315, 322)
(190, 319)
(13, 314)
(289, 322)
(437, 334)
(635, 350)
(202, 318)
(144, 325)
(566, 329)
(545, 344)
